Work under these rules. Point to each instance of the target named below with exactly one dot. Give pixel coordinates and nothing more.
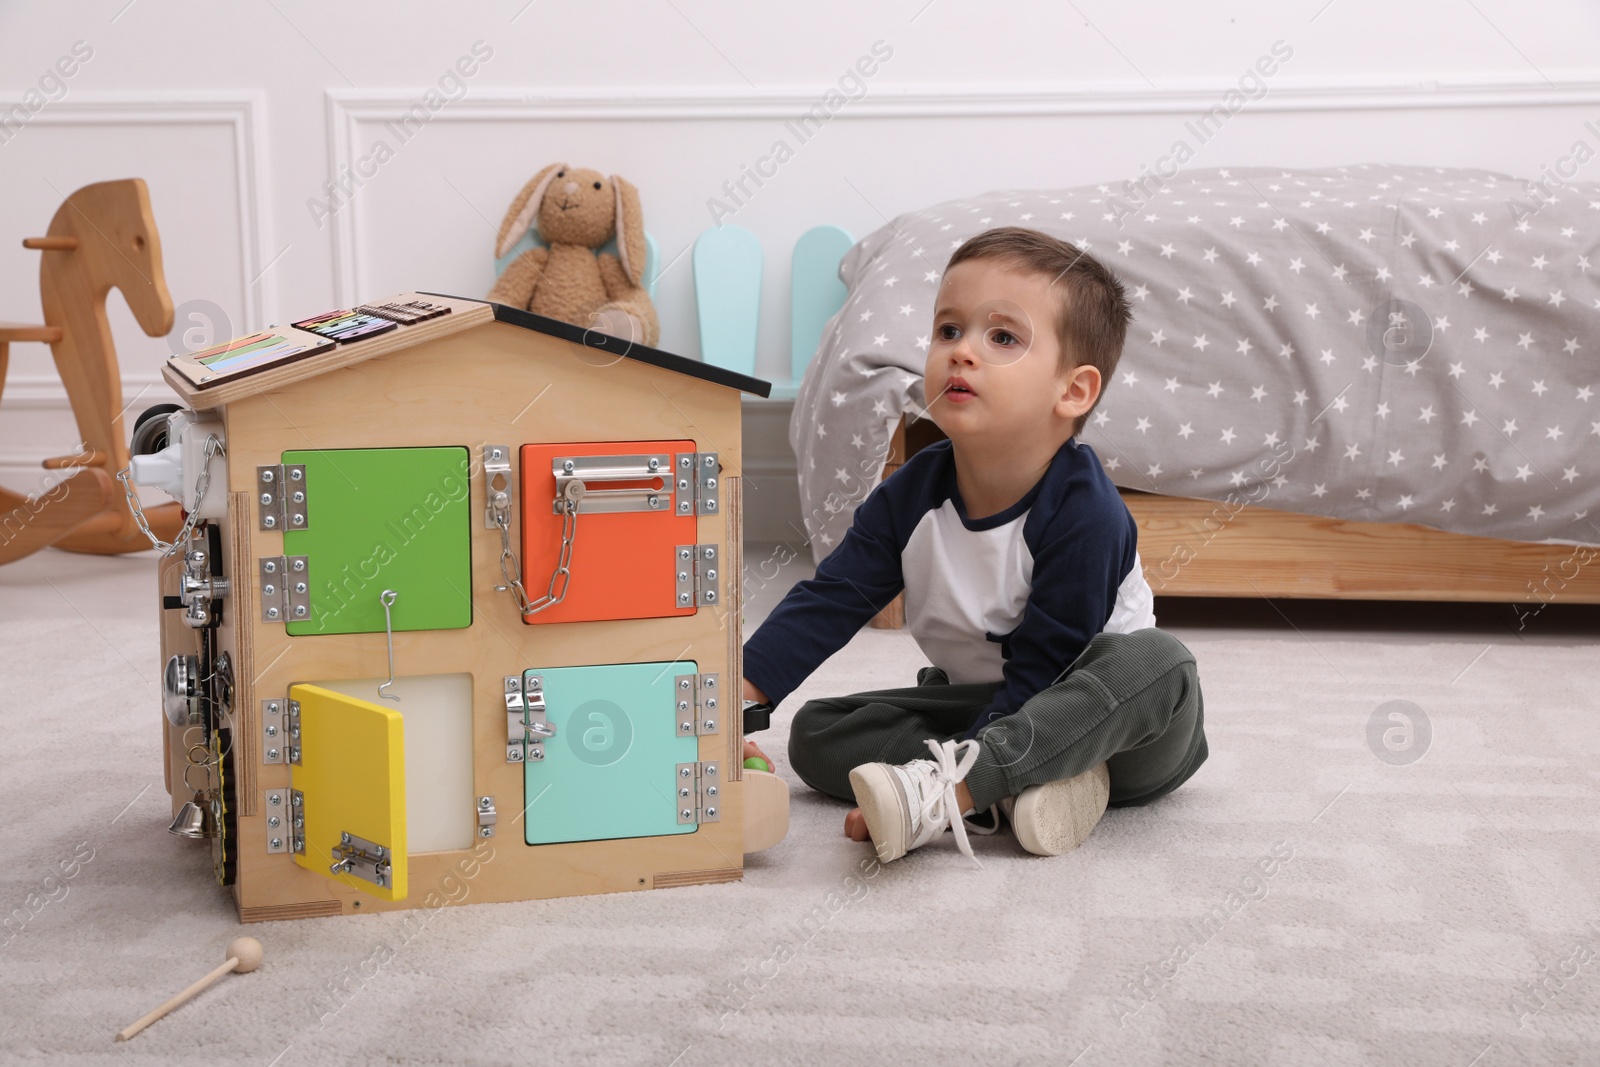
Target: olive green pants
(1131, 701)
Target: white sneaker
(1055, 817)
(908, 805)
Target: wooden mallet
(244, 954)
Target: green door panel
(611, 770)
(385, 518)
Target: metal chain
(512, 573)
(214, 448)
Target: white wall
(237, 115)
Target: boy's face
(994, 361)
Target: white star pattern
(1507, 328)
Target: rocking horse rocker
(102, 237)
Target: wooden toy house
(461, 609)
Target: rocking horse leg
(71, 508)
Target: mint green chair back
(816, 293)
(727, 293)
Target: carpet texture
(1315, 895)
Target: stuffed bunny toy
(576, 211)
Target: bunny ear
(524, 209)
(630, 230)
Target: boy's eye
(1003, 337)
(949, 332)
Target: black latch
(757, 717)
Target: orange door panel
(629, 525)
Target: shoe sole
(1056, 817)
(884, 808)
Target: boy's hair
(1093, 312)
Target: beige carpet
(1301, 901)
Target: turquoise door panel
(611, 769)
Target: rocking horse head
(116, 246)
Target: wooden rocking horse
(103, 237)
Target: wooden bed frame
(1209, 548)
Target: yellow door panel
(349, 787)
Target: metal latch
(367, 860)
(699, 789)
(285, 588)
(499, 485)
(698, 706)
(487, 816)
(198, 588)
(281, 492)
(697, 577)
(590, 470)
(526, 726)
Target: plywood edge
(673, 879)
(1193, 547)
(315, 909)
(733, 593)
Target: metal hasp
(281, 496)
(699, 792)
(198, 587)
(487, 816)
(526, 726)
(698, 704)
(387, 598)
(285, 588)
(697, 577)
(366, 860)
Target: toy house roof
(201, 390)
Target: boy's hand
(753, 749)
(752, 693)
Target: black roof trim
(617, 346)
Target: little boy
(1051, 692)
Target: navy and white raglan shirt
(1011, 598)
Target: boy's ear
(1081, 390)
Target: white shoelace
(936, 781)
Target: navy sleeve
(819, 616)
(1080, 562)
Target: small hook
(387, 598)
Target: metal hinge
(281, 494)
(281, 825)
(292, 748)
(487, 816)
(699, 792)
(695, 486)
(526, 726)
(285, 588)
(297, 816)
(367, 860)
(699, 709)
(697, 575)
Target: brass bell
(196, 820)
